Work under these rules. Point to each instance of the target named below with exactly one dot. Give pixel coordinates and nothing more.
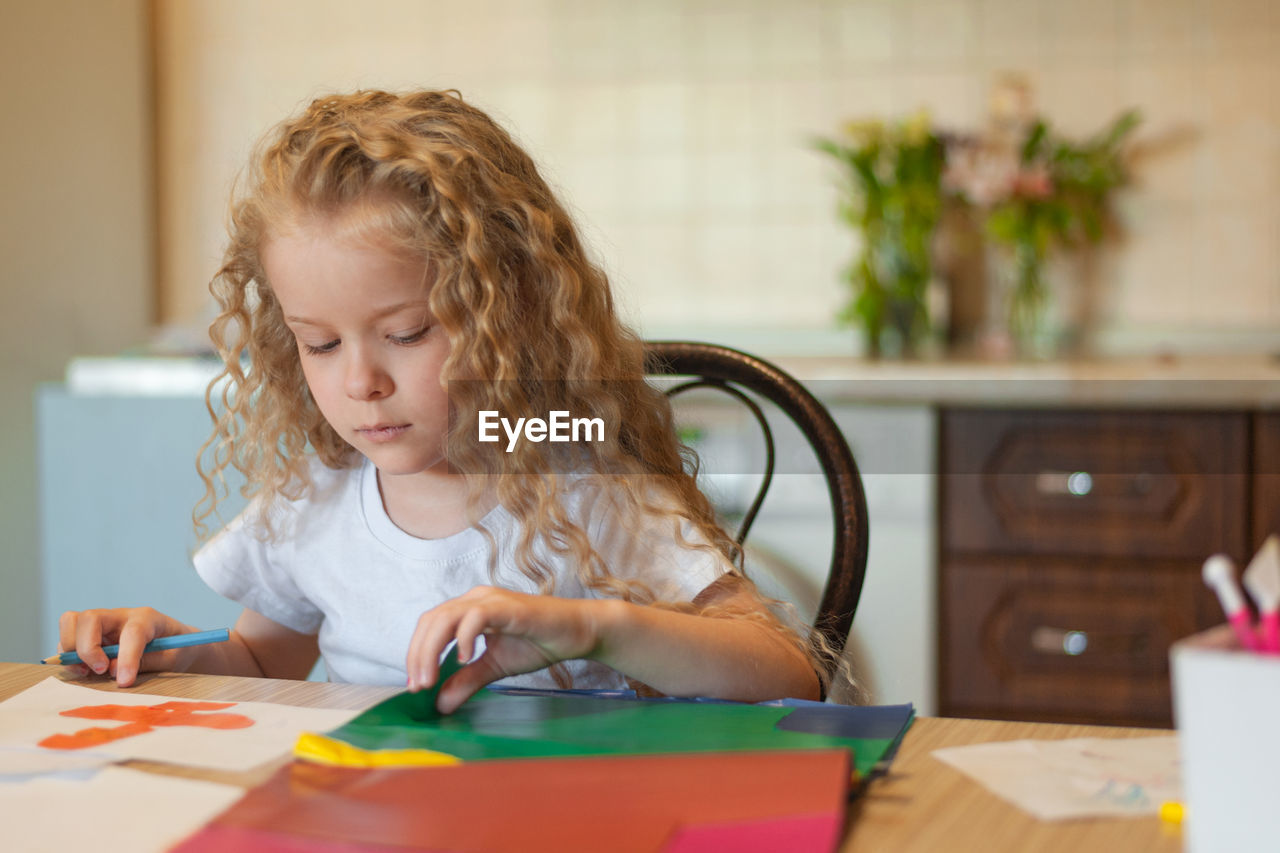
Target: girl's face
(370, 349)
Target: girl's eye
(411, 337)
(322, 348)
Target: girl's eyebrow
(385, 312)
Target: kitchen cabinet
(1266, 477)
(1071, 548)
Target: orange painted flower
(140, 719)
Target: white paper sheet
(18, 762)
(1084, 777)
(268, 730)
(115, 809)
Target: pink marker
(1220, 575)
(1262, 579)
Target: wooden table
(925, 805)
(921, 805)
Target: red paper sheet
(774, 801)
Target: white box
(1226, 705)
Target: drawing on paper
(140, 719)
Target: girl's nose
(366, 379)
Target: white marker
(1220, 575)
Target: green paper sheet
(416, 707)
(495, 726)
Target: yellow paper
(326, 750)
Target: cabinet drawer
(1061, 640)
(1140, 484)
(1266, 478)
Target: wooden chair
(734, 372)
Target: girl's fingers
(133, 637)
(88, 641)
(67, 631)
(132, 628)
(435, 629)
(67, 642)
(473, 624)
(421, 662)
(462, 619)
(464, 684)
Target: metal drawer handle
(1065, 641)
(1078, 483)
(1059, 641)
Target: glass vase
(1026, 299)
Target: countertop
(1220, 381)
(1199, 381)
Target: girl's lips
(383, 433)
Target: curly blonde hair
(530, 320)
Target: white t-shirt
(340, 568)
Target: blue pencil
(174, 641)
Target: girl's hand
(522, 633)
(87, 631)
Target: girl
(396, 267)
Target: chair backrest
(733, 372)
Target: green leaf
(1035, 139)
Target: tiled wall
(680, 132)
